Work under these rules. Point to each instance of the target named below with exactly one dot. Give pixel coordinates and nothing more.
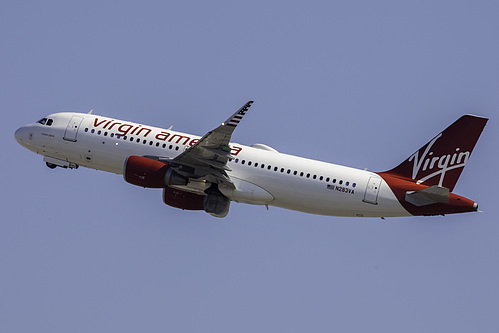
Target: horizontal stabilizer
(428, 196)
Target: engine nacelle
(182, 199)
(146, 172)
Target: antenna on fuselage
(90, 112)
(170, 128)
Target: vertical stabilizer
(441, 161)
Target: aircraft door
(72, 128)
(372, 190)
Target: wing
(207, 158)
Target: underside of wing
(207, 158)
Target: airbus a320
(207, 173)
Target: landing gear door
(72, 128)
(372, 190)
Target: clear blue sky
(358, 83)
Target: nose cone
(18, 135)
(22, 135)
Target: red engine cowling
(146, 172)
(182, 199)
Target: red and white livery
(207, 173)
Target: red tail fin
(441, 161)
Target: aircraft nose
(17, 135)
(21, 134)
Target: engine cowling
(146, 172)
(182, 199)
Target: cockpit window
(46, 121)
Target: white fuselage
(263, 175)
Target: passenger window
(334, 181)
(289, 171)
(276, 168)
(131, 139)
(321, 178)
(144, 142)
(112, 134)
(347, 183)
(243, 161)
(176, 148)
(105, 133)
(353, 185)
(327, 179)
(99, 132)
(295, 172)
(341, 182)
(138, 140)
(301, 174)
(314, 177)
(237, 160)
(308, 175)
(86, 129)
(157, 144)
(256, 164)
(164, 145)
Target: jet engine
(214, 202)
(146, 172)
(183, 199)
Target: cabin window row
(296, 173)
(132, 139)
(243, 162)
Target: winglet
(238, 115)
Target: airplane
(207, 173)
